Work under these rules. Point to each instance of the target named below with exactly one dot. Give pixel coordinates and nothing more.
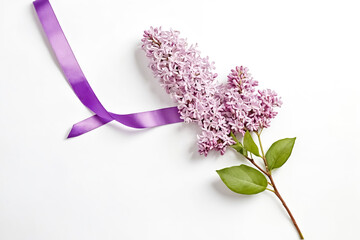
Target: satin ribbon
(81, 86)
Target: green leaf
(238, 146)
(243, 179)
(250, 145)
(279, 152)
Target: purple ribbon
(81, 86)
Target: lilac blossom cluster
(249, 109)
(189, 79)
(218, 109)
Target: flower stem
(287, 209)
(257, 166)
(248, 158)
(270, 190)
(276, 190)
(262, 153)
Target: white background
(120, 183)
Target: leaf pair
(238, 146)
(276, 156)
(247, 180)
(249, 145)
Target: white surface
(119, 183)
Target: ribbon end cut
(73, 132)
(87, 125)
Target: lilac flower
(189, 79)
(218, 109)
(250, 110)
(240, 79)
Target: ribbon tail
(82, 88)
(87, 125)
(139, 120)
